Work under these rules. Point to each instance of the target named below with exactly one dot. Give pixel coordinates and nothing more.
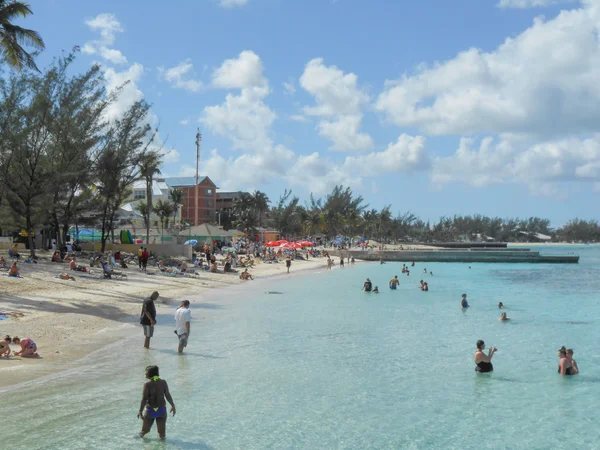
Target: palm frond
(12, 10)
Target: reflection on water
(343, 369)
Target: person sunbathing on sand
(56, 257)
(213, 268)
(5, 346)
(28, 347)
(66, 276)
(14, 270)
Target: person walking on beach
(153, 406)
(148, 318)
(183, 318)
(288, 263)
(140, 252)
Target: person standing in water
(572, 361)
(565, 367)
(183, 318)
(368, 286)
(153, 406)
(148, 318)
(503, 317)
(288, 263)
(341, 262)
(394, 282)
(483, 361)
(464, 303)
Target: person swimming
(564, 366)
(500, 305)
(403, 268)
(381, 261)
(464, 303)
(425, 271)
(394, 282)
(376, 290)
(421, 283)
(503, 317)
(425, 287)
(484, 362)
(368, 286)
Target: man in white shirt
(183, 318)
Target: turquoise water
(324, 366)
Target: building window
(139, 195)
(209, 202)
(209, 192)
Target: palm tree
(163, 210)
(261, 204)
(176, 197)
(142, 208)
(12, 36)
(149, 166)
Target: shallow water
(325, 366)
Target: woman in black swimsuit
(564, 366)
(483, 361)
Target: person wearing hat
(367, 286)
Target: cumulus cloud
(179, 76)
(126, 80)
(232, 3)
(245, 71)
(107, 25)
(522, 4)
(243, 117)
(339, 103)
(319, 174)
(542, 82)
(494, 161)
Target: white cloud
(232, 3)
(107, 25)
(178, 76)
(502, 161)
(542, 82)
(130, 92)
(298, 118)
(522, 4)
(407, 154)
(184, 121)
(245, 71)
(319, 175)
(243, 117)
(289, 88)
(112, 55)
(170, 156)
(338, 103)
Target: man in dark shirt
(148, 318)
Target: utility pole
(198, 139)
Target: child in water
(153, 406)
(376, 290)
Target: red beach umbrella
(271, 244)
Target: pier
(495, 255)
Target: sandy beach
(70, 319)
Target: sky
(435, 107)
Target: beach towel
(3, 317)
(6, 275)
(59, 278)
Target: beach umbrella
(282, 241)
(271, 244)
(190, 242)
(307, 244)
(296, 245)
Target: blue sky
(437, 107)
